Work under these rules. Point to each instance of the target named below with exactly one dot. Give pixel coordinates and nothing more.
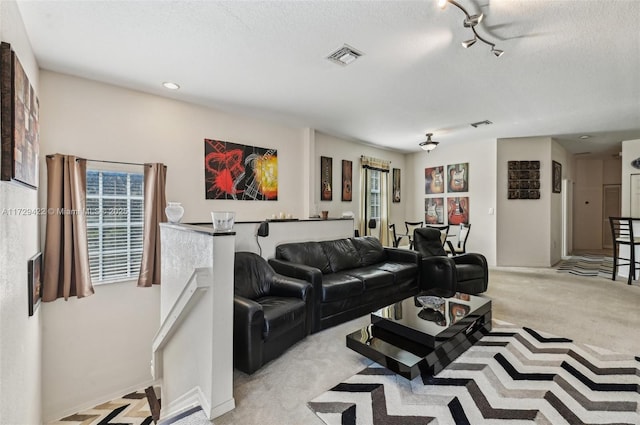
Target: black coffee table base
(411, 359)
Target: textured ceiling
(570, 67)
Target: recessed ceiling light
(585, 136)
(171, 86)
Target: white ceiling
(571, 67)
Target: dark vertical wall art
(396, 185)
(347, 180)
(326, 178)
(235, 171)
(19, 141)
(557, 177)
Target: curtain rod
(107, 162)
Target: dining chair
(460, 246)
(411, 226)
(622, 234)
(395, 240)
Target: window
(374, 194)
(115, 205)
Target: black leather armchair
(271, 312)
(444, 276)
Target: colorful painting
(20, 142)
(326, 178)
(434, 210)
(396, 185)
(347, 179)
(241, 172)
(34, 282)
(458, 177)
(434, 180)
(458, 210)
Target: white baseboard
(192, 398)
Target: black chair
(444, 276)
(460, 247)
(410, 226)
(271, 312)
(622, 234)
(395, 239)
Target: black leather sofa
(350, 277)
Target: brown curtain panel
(66, 253)
(155, 200)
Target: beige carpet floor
(590, 310)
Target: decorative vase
(174, 212)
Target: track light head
(469, 43)
(497, 52)
(473, 20)
(442, 4)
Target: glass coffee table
(411, 340)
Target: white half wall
(630, 151)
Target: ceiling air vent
(479, 123)
(344, 55)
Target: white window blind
(115, 206)
(374, 194)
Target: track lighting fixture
(469, 43)
(471, 21)
(429, 145)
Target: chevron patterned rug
(511, 376)
(587, 265)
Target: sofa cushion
(370, 250)
(401, 271)
(307, 253)
(372, 277)
(336, 286)
(281, 314)
(341, 254)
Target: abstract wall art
(241, 172)
(19, 141)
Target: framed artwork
(458, 210)
(19, 140)
(326, 178)
(240, 172)
(434, 210)
(458, 177)
(523, 180)
(557, 177)
(347, 180)
(34, 282)
(434, 180)
(396, 185)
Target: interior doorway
(611, 201)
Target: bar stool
(622, 234)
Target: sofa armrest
(285, 286)
(475, 259)
(402, 255)
(309, 274)
(438, 275)
(248, 323)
